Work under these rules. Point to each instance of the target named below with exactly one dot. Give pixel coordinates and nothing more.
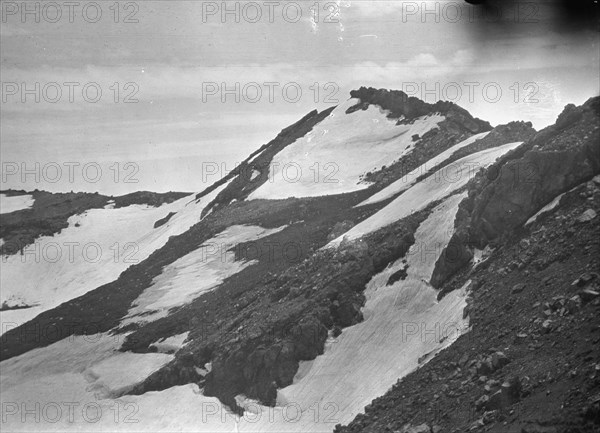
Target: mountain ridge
(251, 331)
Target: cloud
(160, 82)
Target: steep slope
(333, 157)
(367, 358)
(299, 159)
(97, 244)
(261, 302)
(533, 307)
(512, 132)
(530, 361)
(517, 186)
(435, 187)
(26, 217)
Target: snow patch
(171, 344)
(409, 179)
(14, 203)
(195, 273)
(122, 371)
(554, 203)
(550, 206)
(435, 187)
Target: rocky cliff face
(507, 194)
(552, 162)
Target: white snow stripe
(409, 179)
(195, 273)
(435, 187)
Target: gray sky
(176, 50)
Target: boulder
(588, 295)
(482, 402)
(518, 288)
(423, 428)
(499, 360)
(511, 390)
(587, 216)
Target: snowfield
(402, 323)
(199, 271)
(435, 187)
(332, 157)
(96, 247)
(79, 383)
(409, 179)
(65, 387)
(14, 203)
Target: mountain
(386, 250)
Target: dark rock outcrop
(164, 220)
(400, 105)
(456, 126)
(258, 350)
(504, 196)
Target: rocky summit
(418, 270)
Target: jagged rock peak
(400, 105)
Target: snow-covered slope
(67, 386)
(402, 322)
(16, 202)
(199, 271)
(409, 179)
(96, 247)
(435, 187)
(320, 333)
(332, 158)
